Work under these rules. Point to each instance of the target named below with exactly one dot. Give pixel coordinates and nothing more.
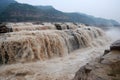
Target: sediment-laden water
(23, 46)
(51, 50)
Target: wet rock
(4, 28)
(58, 26)
(106, 52)
(115, 45)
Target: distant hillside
(91, 20)
(5, 3)
(17, 12)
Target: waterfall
(43, 26)
(30, 44)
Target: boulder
(4, 28)
(115, 45)
(58, 26)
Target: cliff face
(105, 68)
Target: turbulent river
(51, 54)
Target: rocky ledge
(107, 67)
(115, 46)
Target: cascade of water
(34, 45)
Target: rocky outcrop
(4, 28)
(107, 67)
(115, 45)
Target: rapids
(24, 46)
(48, 51)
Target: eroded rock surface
(107, 67)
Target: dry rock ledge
(107, 67)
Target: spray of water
(113, 33)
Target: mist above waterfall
(113, 33)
